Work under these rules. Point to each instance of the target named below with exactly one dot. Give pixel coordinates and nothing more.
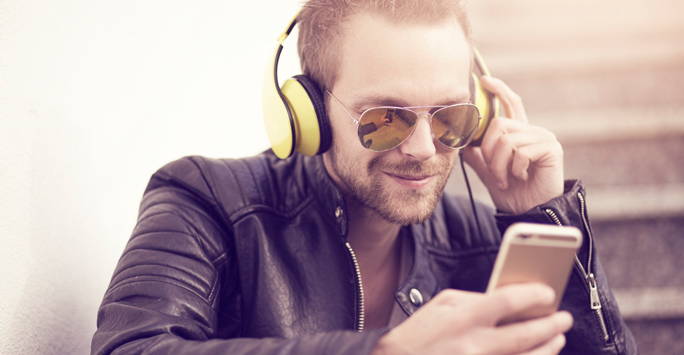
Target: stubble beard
(398, 206)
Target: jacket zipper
(357, 271)
(595, 302)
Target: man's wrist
(385, 346)
(380, 347)
(566, 208)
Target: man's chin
(404, 210)
(400, 193)
(405, 217)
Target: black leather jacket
(250, 257)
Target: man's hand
(459, 322)
(521, 165)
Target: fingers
(514, 299)
(501, 303)
(551, 347)
(543, 335)
(543, 154)
(505, 156)
(455, 298)
(488, 309)
(477, 314)
(473, 156)
(511, 147)
(511, 102)
(466, 322)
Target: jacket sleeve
(163, 297)
(598, 327)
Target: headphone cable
(470, 193)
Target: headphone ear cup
(315, 94)
(486, 103)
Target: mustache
(410, 167)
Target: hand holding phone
(536, 253)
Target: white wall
(94, 97)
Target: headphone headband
(281, 133)
(295, 116)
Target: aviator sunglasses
(386, 127)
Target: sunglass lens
(384, 128)
(454, 125)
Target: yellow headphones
(486, 102)
(295, 115)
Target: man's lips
(411, 181)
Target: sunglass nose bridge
(427, 115)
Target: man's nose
(420, 144)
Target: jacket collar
(326, 193)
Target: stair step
(605, 202)
(658, 337)
(576, 126)
(547, 36)
(650, 303)
(635, 201)
(545, 59)
(648, 86)
(511, 23)
(658, 161)
(641, 253)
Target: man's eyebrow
(361, 101)
(358, 102)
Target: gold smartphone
(540, 253)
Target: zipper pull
(593, 290)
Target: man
(358, 251)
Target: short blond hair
(320, 27)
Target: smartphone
(540, 253)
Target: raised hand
(520, 164)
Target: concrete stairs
(608, 78)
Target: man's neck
(369, 233)
(378, 252)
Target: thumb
(473, 156)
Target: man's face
(387, 64)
